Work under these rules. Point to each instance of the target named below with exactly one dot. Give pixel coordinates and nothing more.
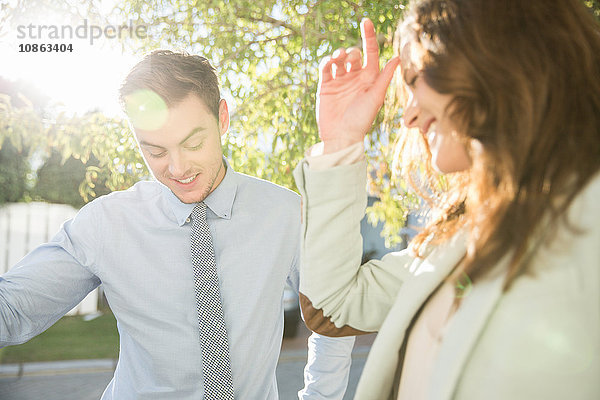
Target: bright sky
(82, 82)
(85, 79)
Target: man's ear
(223, 117)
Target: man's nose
(177, 166)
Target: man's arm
(329, 359)
(47, 283)
(327, 368)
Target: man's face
(184, 153)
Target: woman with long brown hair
(498, 297)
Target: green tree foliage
(83, 156)
(13, 174)
(59, 181)
(19, 127)
(594, 6)
(108, 142)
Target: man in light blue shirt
(137, 244)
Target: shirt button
(188, 219)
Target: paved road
(85, 382)
(77, 380)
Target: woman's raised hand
(350, 93)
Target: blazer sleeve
(331, 274)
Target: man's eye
(197, 147)
(156, 155)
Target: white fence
(24, 226)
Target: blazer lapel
(379, 371)
(463, 332)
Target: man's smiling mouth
(188, 180)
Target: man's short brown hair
(174, 76)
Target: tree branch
(273, 21)
(265, 93)
(238, 51)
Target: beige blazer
(538, 340)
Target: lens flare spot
(146, 110)
(463, 285)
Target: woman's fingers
(370, 45)
(339, 62)
(353, 61)
(385, 77)
(325, 72)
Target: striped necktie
(216, 365)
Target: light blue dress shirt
(137, 244)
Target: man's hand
(349, 93)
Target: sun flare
(75, 71)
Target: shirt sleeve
(49, 281)
(327, 368)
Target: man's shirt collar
(220, 200)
